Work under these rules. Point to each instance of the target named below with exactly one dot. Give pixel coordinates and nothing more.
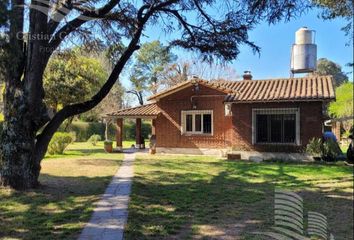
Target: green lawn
(59, 209)
(189, 197)
(87, 150)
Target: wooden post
(153, 127)
(336, 129)
(138, 133)
(152, 148)
(119, 134)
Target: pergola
(148, 112)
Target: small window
(197, 122)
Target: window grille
(276, 126)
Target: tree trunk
(27, 128)
(19, 167)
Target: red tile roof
(212, 84)
(282, 89)
(289, 89)
(319, 88)
(148, 110)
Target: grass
(189, 197)
(60, 207)
(87, 150)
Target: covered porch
(145, 112)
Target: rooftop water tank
(304, 52)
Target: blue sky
(275, 42)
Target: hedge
(84, 130)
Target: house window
(276, 126)
(197, 122)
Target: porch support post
(336, 129)
(138, 133)
(153, 127)
(119, 134)
(152, 148)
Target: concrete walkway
(110, 215)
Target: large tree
(146, 75)
(182, 70)
(328, 67)
(71, 78)
(59, 23)
(343, 106)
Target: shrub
(314, 147)
(59, 142)
(94, 139)
(84, 130)
(108, 142)
(129, 130)
(328, 150)
(73, 136)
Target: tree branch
(74, 24)
(75, 109)
(182, 21)
(204, 14)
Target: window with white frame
(197, 122)
(276, 125)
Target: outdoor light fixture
(194, 104)
(228, 111)
(196, 87)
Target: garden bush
(129, 130)
(327, 150)
(84, 130)
(330, 151)
(94, 139)
(314, 147)
(59, 143)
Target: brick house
(198, 116)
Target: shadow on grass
(228, 200)
(58, 209)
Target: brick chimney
(247, 75)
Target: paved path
(110, 215)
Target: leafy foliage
(343, 106)
(314, 147)
(328, 150)
(59, 142)
(72, 78)
(150, 63)
(94, 139)
(84, 130)
(112, 102)
(338, 8)
(182, 70)
(327, 67)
